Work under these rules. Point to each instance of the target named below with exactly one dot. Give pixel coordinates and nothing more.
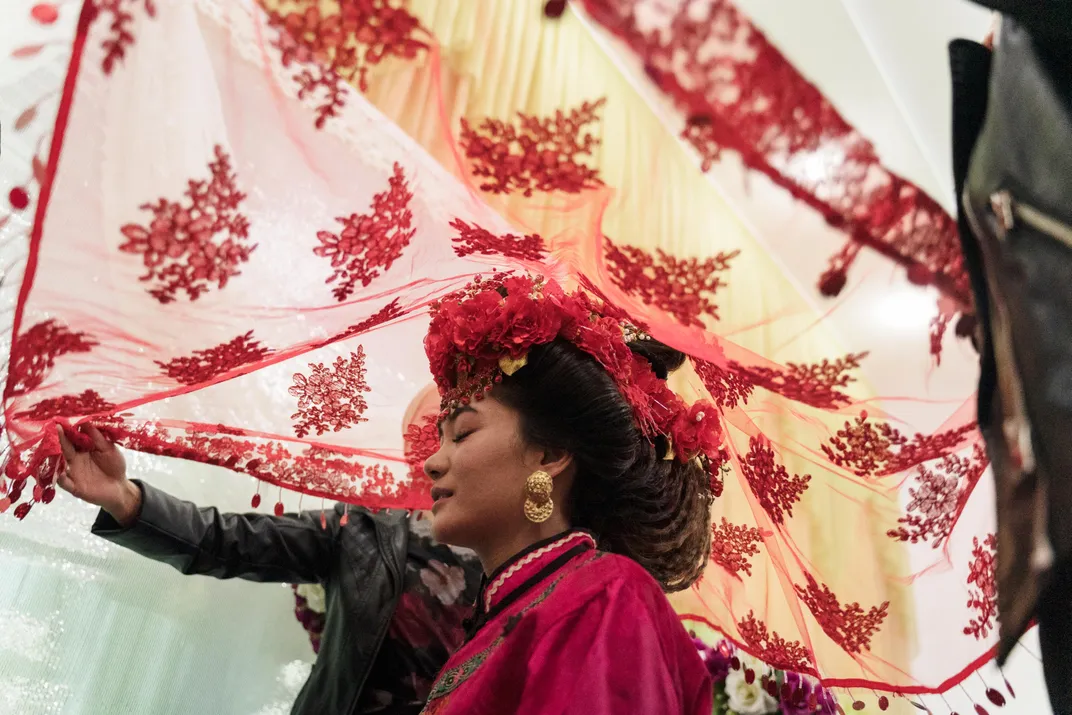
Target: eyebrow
(453, 416)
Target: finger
(69, 452)
(100, 442)
(64, 482)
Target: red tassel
(1008, 687)
(919, 275)
(255, 501)
(323, 520)
(5, 504)
(858, 705)
(345, 518)
(981, 710)
(995, 697)
(749, 676)
(22, 510)
(883, 703)
(279, 508)
(832, 282)
(554, 8)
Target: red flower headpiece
(486, 330)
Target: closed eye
(459, 437)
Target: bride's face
(479, 475)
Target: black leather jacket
(360, 565)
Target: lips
(440, 493)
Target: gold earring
(538, 504)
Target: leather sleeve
(293, 548)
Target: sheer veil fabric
(247, 209)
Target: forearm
(197, 540)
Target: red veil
(248, 207)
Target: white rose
(313, 593)
(749, 698)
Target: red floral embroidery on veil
(384, 315)
(938, 326)
(330, 398)
(538, 154)
(982, 583)
(338, 42)
(369, 243)
(772, 648)
(742, 94)
(421, 442)
(34, 354)
(205, 365)
(733, 544)
(940, 493)
(188, 247)
(728, 387)
(849, 626)
(87, 403)
(683, 287)
(811, 384)
(871, 450)
(121, 38)
(474, 239)
(776, 491)
(316, 470)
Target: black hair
(638, 504)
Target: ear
(556, 461)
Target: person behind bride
(395, 599)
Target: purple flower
(717, 659)
(801, 696)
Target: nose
(436, 465)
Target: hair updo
(638, 504)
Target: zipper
(1008, 212)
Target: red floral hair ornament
(485, 331)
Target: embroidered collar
(525, 570)
(512, 574)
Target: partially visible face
(479, 475)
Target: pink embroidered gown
(564, 629)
